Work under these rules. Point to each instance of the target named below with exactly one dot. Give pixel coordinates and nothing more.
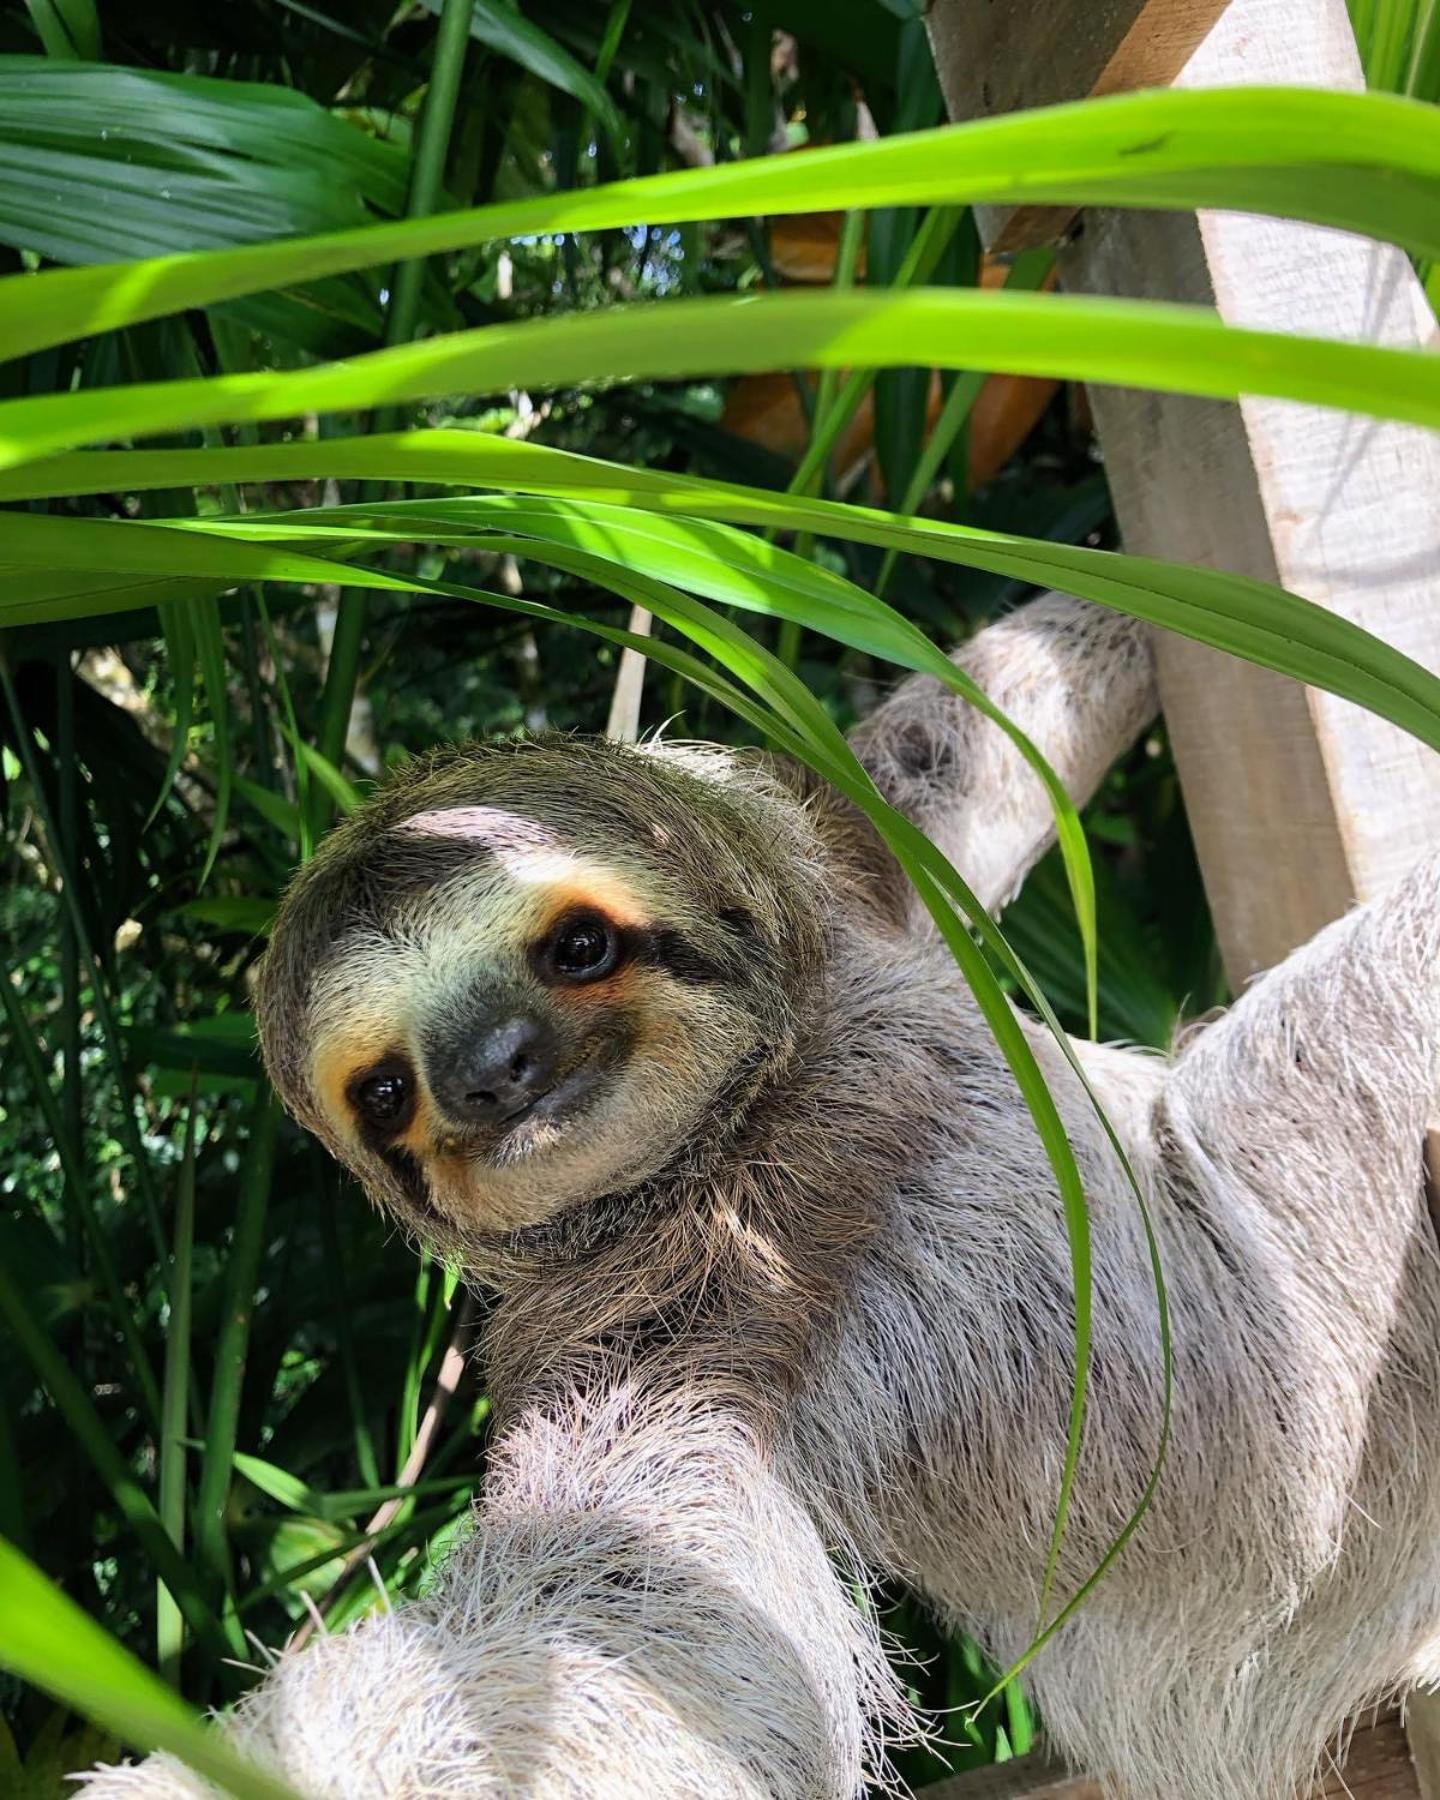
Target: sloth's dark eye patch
(384, 1097)
(584, 946)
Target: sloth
(659, 1047)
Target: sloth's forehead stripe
(487, 827)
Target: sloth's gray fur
(830, 1328)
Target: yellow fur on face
(371, 1003)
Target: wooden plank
(1030, 1778)
(1377, 1766)
(1299, 802)
(998, 58)
(1422, 1728)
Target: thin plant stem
(365, 1458)
(169, 1623)
(432, 143)
(242, 1270)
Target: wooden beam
(1422, 1728)
(1299, 802)
(1031, 1778)
(1377, 1766)
(998, 58)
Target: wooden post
(1299, 803)
(998, 58)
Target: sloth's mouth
(549, 1105)
(540, 1121)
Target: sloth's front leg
(643, 1608)
(1080, 682)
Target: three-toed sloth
(657, 1043)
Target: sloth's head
(526, 975)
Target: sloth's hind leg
(1299, 1122)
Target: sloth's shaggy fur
(790, 1296)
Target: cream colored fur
(657, 1596)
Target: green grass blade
(241, 1276)
(210, 649)
(14, 1523)
(1377, 159)
(69, 29)
(49, 1642)
(1248, 618)
(298, 1496)
(169, 1624)
(506, 30)
(330, 779)
(1133, 343)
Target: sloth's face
(528, 976)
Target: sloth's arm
(642, 1608)
(1077, 679)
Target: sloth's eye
(384, 1098)
(584, 948)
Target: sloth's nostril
(486, 1077)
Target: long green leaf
(1133, 343)
(210, 644)
(506, 30)
(68, 28)
(300, 1497)
(50, 1642)
(1245, 617)
(1368, 163)
(100, 162)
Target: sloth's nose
(494, 1073)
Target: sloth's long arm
(642, 1608)
(1078, 680)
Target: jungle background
(161, 780)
